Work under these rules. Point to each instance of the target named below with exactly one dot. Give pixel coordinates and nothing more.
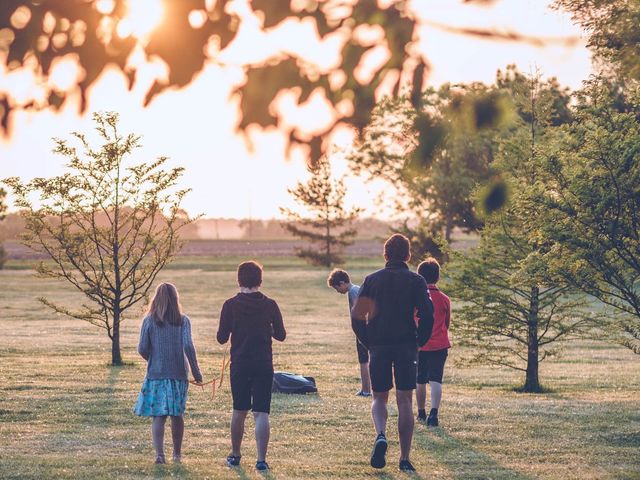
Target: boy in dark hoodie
(251, 319)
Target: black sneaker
(421, 418)
(432, 421)
(405, 466)
(379, 451)
(233, 461)
(262, 466)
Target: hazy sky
(195, 126)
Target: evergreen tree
(512, 307)
(328, 228)
(108, 226)
(591, 207)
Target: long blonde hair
(165, 305)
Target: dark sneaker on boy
(422, 416)
(262, 465)
(405, 466)
(379, 451)
(233, 461)
(432, 421)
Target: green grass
(65, 414)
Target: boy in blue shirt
(339, 280)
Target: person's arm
(360, 313)
(226, 323)
(424, 307)
(277, 325)
(144, 344)
(190, 349)
(447, 319)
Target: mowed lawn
(64, 413)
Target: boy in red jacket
(433, 355)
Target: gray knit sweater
(167, 348)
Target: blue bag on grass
(284, 382)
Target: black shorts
(363, 353)
(401, 359)
(431, 365)
(251, 388)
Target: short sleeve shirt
(353, 295)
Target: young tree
(591, 207)
(512, 307)
(107, 225)
(329, 225)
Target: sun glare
(143, 17)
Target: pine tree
(513, 307)
(328, 226)
(591, 206)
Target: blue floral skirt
(159, 398)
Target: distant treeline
(223, 228)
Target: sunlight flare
(143, 16)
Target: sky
(195, 126)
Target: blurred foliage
(35, 33)
(590, 203)
(513, 305)
(328, 225)
(107, 226)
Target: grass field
(64, 413)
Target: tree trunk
(328, 246)
(448, 226)
(532, 382)
(116, 358)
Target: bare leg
(237, 430)
(379, 411)
(157, 435)
(421, 395)
(404, 399)
(364, 377)
(263, 430)
(436, 394)
(177, 432)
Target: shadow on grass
(460, 459)
(401, 476)
(240, 472)
(174, 470)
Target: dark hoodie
(384, 311)
(251, 319)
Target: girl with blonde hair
(166, 345)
